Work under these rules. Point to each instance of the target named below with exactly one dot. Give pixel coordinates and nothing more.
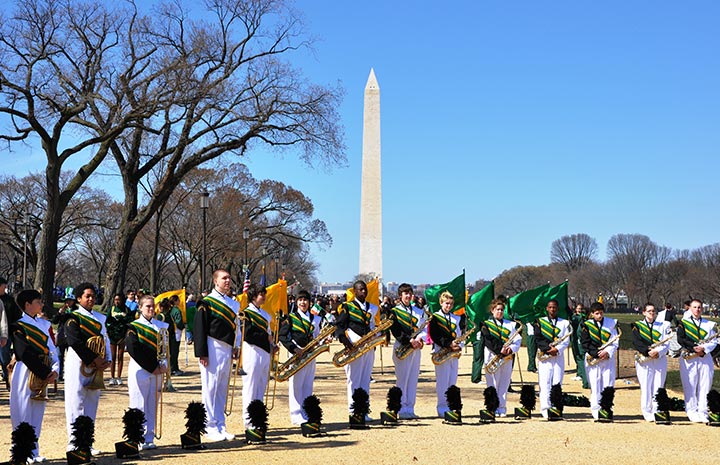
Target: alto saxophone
(446, 353)
(592, 361)
(642, 359)
(687, 355)
(298, 361)
(544, 357)
(366, 343)
(405, 350)
(499, 359)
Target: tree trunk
(47, 255)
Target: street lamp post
(246, 236)
(204, 204)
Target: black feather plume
(23, 443)
(492, 401)
(361, 402)
(607, 398)
(258, 415)
(662, 400)
(556, 397)
(83, 431)
(133, 421)
(527, 397)
(454, 398)
(394, 399)
(196, 417)
(713, 400)
(575, 401)
(311, 406)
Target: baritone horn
(237, 352)
(163, 347)
(97, 345)
(38, 386)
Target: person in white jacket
(651, 340)
(552, 335)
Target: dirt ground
(578, 439)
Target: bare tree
(574, 251)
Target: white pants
(22, 408)
(651, 376)
(500, 380)
(300, 386)
(407, 372)
(696, 375)
(599, 377)
(445, 376)
(256, 363)
(550, 372)
(358, 375)
(214, 378)
(78, 400)
(143, 388)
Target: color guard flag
(166, 295)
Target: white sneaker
(118, 382)
(368, 419)
(228, 436)
(577, 378)
(149, 446)
(95, 452)
(38, 459)
(215, 436)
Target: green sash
(695, 333)
(595, 333)
(547, 329)
(35, 337)
(145, 334)
(647, 333)
(256, 319)
(219, 310)
(406, 319)
(497, 331)
(301, 325)
(358, 314)
(89, 326)
(449, 329)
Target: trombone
(232, 380)
(163, 346)
(274, 362)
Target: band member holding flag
(37, 361)
(214, 336)
(552, 335)
(407, 318)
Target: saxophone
(544, 357)
(366, 343)
(97, 345)
(405, 350)
(642, 359)
(446, 353)
(298, 361)
(499, 360)
(592, 361)
(37, 385)
(687, 355)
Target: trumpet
(592, 361)
(163, 347)
(232, 380)
(446, 353)
(687, 355)
(543, 357)
(363, 345)
(306, 355)
(499, 359)
(405, 350)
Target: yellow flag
(242, 298)
(276, 301)
(166, 295)
(373, 296)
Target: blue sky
(508, 124)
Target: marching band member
(36, 355)
(355, 319)
(496, 332)
(407, 318)
(85, 327)
(301, 327)
(651, 372)
(552, 335)
(258, 346)
(214, 336)
(146, 372)
(444, 329)
(696, 365)
(596, 332)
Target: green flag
(477, 308)
(522, 306)
(456, 287)
(559, 293)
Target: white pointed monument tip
(372, 80)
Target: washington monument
(371, 194)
